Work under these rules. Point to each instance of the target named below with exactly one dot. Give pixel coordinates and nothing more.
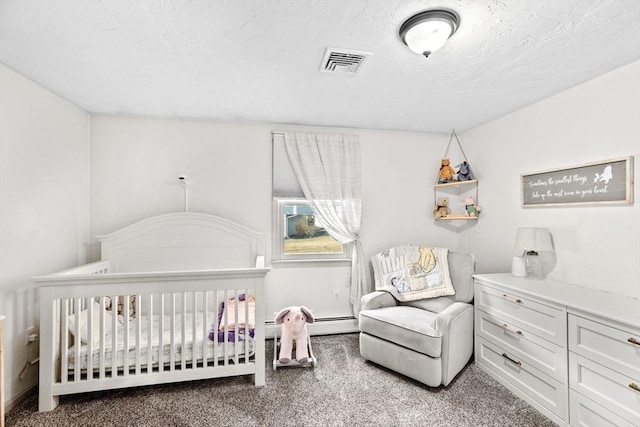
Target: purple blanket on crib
(231, 336)
(219, 332)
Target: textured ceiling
(259, 60)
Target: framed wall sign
(605, 182)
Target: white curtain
(327, 167)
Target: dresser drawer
(543, 320)
(545, 356)
(615, 348)
(605, 387)
(586, 413)
(541, 388)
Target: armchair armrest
(455, 323)
(377, 299)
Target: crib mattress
(212, 350)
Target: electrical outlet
(27, 333)
(336, 295)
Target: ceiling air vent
(343, 61)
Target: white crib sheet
(213, 350)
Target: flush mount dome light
(428, 31)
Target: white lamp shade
(428, 36)
(533, 239)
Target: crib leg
(48, 357)
(47, 403)
(260, 360)
(46, 400)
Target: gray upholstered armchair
(429, 340)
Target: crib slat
(161, 335)
(114, 336)
(64, 339)
(125, 350)
(138, 319)
(226, 327)
(77, 340)
(90, 337)
(172, 336)
(194, 329)
(240, 326)
(247, 326)
(183, 333)
(150, 334)
(216, 344)
(103, 341)
(205, 335)
(236, 330)
(236, 318)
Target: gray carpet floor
(343, 390)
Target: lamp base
(533, 265)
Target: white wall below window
(44, 210)
(595, 246)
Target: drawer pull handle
(632, 340)
(634, 386)
(515, 362)
(517, 300)
(515, 331)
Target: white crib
(176, 297)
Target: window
(298, 232)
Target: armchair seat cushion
(434, 305)
(406, 326)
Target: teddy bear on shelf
(470, 206)
(441, 210)
(446, 172)
(294, 329)
(464, 172)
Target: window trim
(278, 236)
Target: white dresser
(571, 352)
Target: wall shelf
(457, 217)
(457, 183)
(456, 191)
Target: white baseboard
(15, 401)
(322, 327)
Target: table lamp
(531, 240)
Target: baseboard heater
(323, 326)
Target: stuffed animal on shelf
(294, 329)
(441, 210)
(446, 172)
(464, 172)
(471, 209)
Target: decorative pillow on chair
(413, 272)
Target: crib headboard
(182, 241)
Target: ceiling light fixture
(428, 31)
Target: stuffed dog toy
(294, 329)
